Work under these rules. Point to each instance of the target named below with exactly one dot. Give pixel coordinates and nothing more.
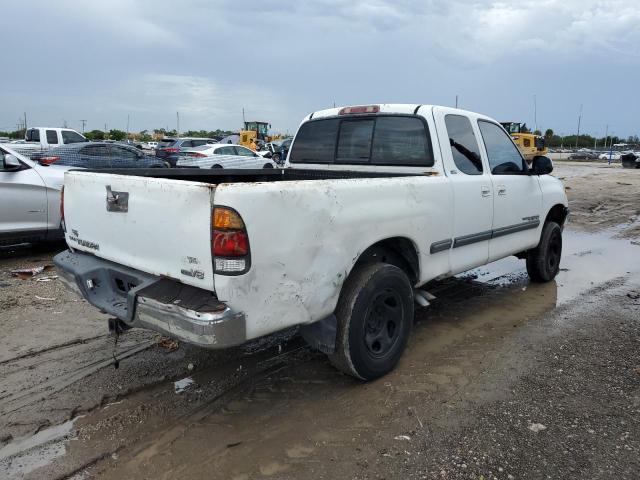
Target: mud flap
(321, 335)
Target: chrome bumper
(186, 313)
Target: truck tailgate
(159, 226)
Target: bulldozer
(258, 132)
(529, 144)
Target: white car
(605, 156)
(222, 155)
(374, 202)
(29, 199)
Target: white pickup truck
(373, 202)
(44, 138)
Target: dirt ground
(502, 379)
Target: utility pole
(106, 135)
(178, 124)
(127, 125)
(579, 120)
(456, 100)
(25, 122)
(84, 122)
(535, 112)
(606, 136)
(243, 120)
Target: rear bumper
(146, 301)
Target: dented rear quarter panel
(307, 235)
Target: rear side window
(400, 141)
(464, 146)
(198, 143)
(225, 151)
(95, 151)
(52, 137)
(504, 157)
(186, 144)
(244, 152)
(382, 140)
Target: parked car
(98, 155)
(612, 155)
(222, 155)
(29, 199)
(170, 148)
(340, 242)
(149, 145)
(276, 148)
(583, 155)
(630, 160)
(43, 138)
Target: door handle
(486, 191)
(502, 190)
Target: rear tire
(543, 262)
(375, 317)
(267, 165)
(216, 166)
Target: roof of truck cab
(403, 108)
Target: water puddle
(588, 260)
(27, 454)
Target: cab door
(472, 189)
(517, 201)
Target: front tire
(375, 317)
(543, 262)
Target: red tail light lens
(171, 150)
(230, 243)
(48, 160)
(195, 154)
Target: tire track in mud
(68, 344)
(41, 391)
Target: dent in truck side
(301, 259)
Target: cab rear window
(395, 140)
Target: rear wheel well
(557, 214)
(398, 251)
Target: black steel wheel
(543, 262)
(375, 317)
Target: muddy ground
(501, 379)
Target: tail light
(229, 242)
(195, 154)
(48, 160)
(62, 224)
(171, 150)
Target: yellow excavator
(256, 131)
(529, 144)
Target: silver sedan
(222, 155)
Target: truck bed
(217, 176)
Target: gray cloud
(102, 61)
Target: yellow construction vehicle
(256, 131)
(529, 144)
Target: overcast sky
(103, 60)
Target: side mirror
(541, 165)
(268, 155)
(11, 163)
